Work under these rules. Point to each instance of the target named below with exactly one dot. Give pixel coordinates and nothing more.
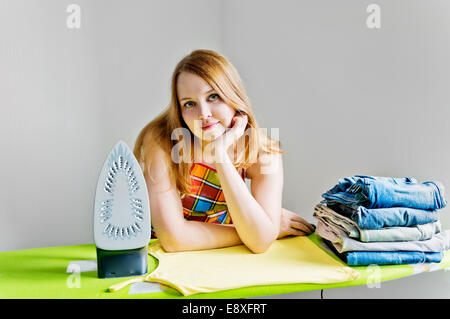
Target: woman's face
(201, 107)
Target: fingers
(297, 224)
(302, 227)
(241, 120)
(238, 128)
(300, 220)
(295, 232)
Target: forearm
(199, 236)
(254, 226)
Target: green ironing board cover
(40, 273)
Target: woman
(209, 103)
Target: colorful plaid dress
(207, 204)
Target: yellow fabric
(288, 260)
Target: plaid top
(208, 203)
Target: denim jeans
(329, 227)
(418, 232)
(364, 258)
(438, 242)
(382, 192)
(377, 218)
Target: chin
(215, 133)
(210, 137)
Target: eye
(188, 104)
(214, 96)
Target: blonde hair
(221, 75)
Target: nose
(204, 111)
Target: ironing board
(41, 273)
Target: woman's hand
(292, 224)
(221, 144)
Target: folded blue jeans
(383, 192)
(364, 258)
(438, 242)
(378, 218)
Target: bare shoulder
(267, 163)
(157, 167)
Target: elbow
(172, 247)
(169, 248)
(260, 248)
(172, 238)
(263, 239)
(262, 244)
(170, 244)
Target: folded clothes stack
(383, 220)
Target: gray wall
(349, 100)
(68, 95)
(346, 99)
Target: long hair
(221, 75)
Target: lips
(208, 125)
